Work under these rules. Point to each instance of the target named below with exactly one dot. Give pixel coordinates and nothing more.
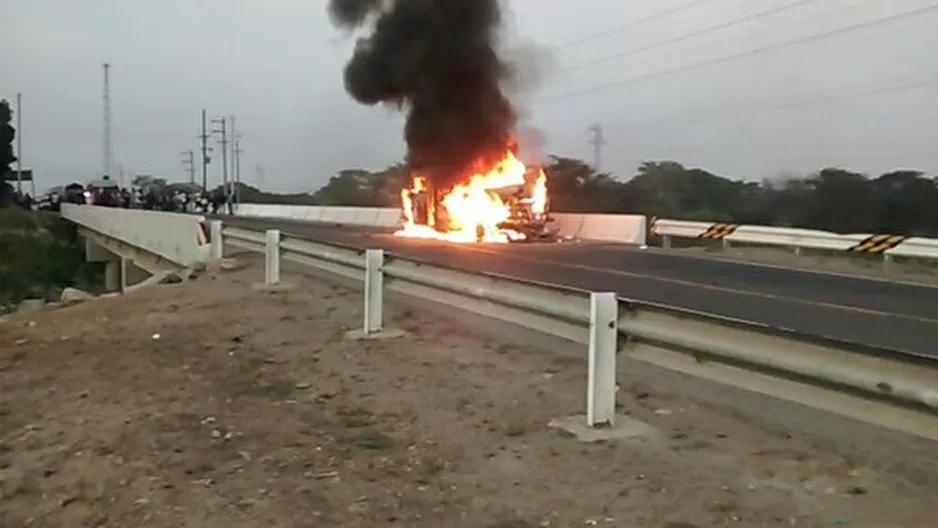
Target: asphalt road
(899, 316)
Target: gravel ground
(210, 404)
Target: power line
(686, 36)
(633, 23)
(712, 61)
(820, 96)
(843, 92)
(744, 54)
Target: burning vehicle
(506, 203)
(440, 62)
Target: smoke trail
(436, 59)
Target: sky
(748, 89)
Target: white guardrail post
(374, 291)
(601, 378)
(216, 251)
(272, 258)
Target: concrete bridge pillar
(119, 271)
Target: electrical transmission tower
(106, 100)
(597, 140)
(188, 161)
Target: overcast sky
(664, 88)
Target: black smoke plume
(437, 60)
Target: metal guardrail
(886, 245)
(889, 388)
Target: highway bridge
(893, 315)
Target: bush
(39, 257)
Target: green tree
(574, 186)
(7, 134)
(359, 187)
(148, 183)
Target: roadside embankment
(40, 255)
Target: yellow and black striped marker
(718, 231)
(877, 243)
(202, 235)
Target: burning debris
(506, 203)
(438, 60)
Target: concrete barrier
(568, 225)
(179, 238)
(621, 228)
(345, 215)
(615, 228)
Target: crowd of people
(184, 202)
(157, 199)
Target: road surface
(899, 316)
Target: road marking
(710, 287)
(743, 261)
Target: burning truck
(506, 202)
(439, 61)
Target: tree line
(7, 157)
(902, 201)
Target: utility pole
(236, 151)
(237, 167)
(188, 161)
(223, 141)
(234, 142)
(205, 150)
(597, 140)
(19, 146)
(106, 100)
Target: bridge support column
(113, 276)
(131, 274)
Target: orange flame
(475, 210)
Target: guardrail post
(272, 258)
(887, 263)
(216, 251)
(601, 378)
(373, 327)
(374, 291)
(666, 241)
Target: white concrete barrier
(568, 224)
(621, 228)
(616, 228)
(179, 238)
(345, 215)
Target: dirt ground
(901, 269)
(210, 404)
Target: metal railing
(890, 388)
